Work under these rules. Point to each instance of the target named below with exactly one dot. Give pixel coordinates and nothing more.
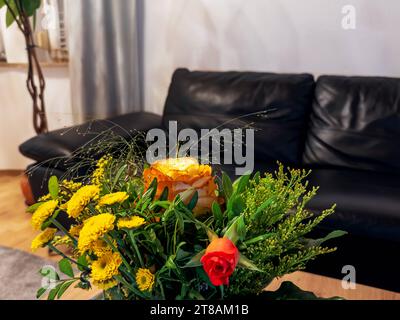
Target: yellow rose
(181, 174)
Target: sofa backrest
(208, 99)
(355, 123)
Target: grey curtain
(105, 45)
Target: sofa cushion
(211, 99)
(355, 123)
(368, 203)
(62, 142)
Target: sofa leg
(27, 190)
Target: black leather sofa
(346, 129)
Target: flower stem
(129, 286)
(222, 292)
(127, 265)
(65, 256)
(60, 227)
(136, 248)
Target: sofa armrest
(63, 142)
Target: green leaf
(2, 3)
(164, 195)
(182, 254)
(235, 206)
(241, 183)
(204, 277)
(194, 294)
(193, 201)
(216, 210)
(227, 185)
(53, 187)
(170, 264)
(32, 208)
(259, 238)
(185, 195)
(118, 175)
(9, 18)
(151, 191)
(159, 204)
(210, 233)
(30, 6)
(247, 264)
(232, 233)
(82, 263)
(64, 288)
(53, 292)
(65, 267)
(41, 291)
(318, 242)
(289, 291)
(195, 261)
(236, 230)
(257, 177)
(241, 228)
(262, 207)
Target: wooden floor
(16, 232)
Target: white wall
(16, 111)
(267, 35)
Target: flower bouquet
(173, 230)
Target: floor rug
(19, 274)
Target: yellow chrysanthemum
(75, 230)
(106, 267)
(43, 238)
(43, 213)
(93, 229)
(81, 199)
(98, 174)
(112, 198)
(131, 222)
(144, 279)
(100, 248)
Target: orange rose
(181, 174)
(220, 260)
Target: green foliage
(12, 12)
(65, 267)
(277, 224)
(82, 263)
(16, 7)
(53, 187)
(264, 216)
(30, 6)
(32, 208)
